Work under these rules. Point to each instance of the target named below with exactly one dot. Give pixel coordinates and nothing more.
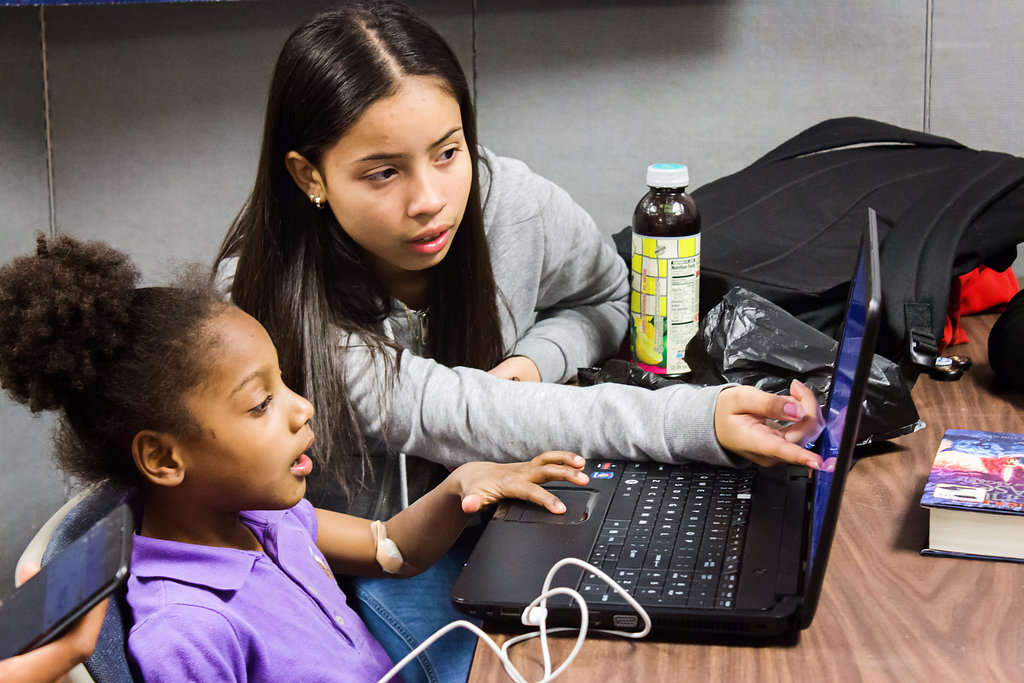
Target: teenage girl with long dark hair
(406, 273)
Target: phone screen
(70, 584)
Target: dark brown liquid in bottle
(666, 212)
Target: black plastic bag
(746, 339)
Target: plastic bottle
(665, 272)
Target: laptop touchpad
(579, 504)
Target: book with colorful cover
(975, 496)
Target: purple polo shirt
(218, 614)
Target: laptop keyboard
(673, 535)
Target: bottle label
(664, 300)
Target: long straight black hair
(299, 273)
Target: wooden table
(886, 613)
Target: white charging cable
(535, 614)
(403, 480)
(403, 469)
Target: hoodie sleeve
(455, 415)
(564, 287)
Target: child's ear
(305, 174)
(157, 458)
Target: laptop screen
(863, 295)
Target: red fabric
(980, 290)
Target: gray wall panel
(591, 93)
(158, 116)
(30, 488)
(157, 121)
(978, 68)
(23, 188)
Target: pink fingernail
(793, 411)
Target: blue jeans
(402, 613)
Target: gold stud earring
(317, 200)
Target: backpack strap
(851, 130)
(922, 250)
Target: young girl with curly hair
(176, 393)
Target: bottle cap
(668, 175)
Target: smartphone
(68, 586)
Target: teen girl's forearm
(486, 417)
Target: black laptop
(704, 549)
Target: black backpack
(788, 226)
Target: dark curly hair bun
(63, 313)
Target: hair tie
(388, 556)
